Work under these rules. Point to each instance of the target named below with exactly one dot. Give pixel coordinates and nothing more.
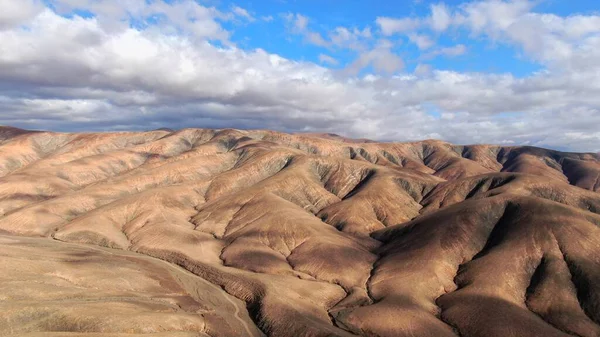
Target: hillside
(202, 232)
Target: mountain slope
(297, 235)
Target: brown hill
(247, 233)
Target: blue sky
(324, 16)
(514, 72)
(270, 30)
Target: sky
(514, 72)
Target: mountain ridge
(318, 235)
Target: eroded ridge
(205, 232)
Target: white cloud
(16, 12)
(423, 70)
(300, 22)
(340, 37)
(326, 59)
(316, 39)
(391, 26)
(567, 43)
(571, 42)
(457, 50)
(422, 41)
(453, 51)
(354, 39)
(243, 13)
(440, 17)
(179, 17)
(366, 32)
(492, 15)
(381, 58)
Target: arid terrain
(202, 232)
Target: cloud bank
(134, 66)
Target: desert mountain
(204, 232)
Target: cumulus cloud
(74, 73)
(14, 13)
